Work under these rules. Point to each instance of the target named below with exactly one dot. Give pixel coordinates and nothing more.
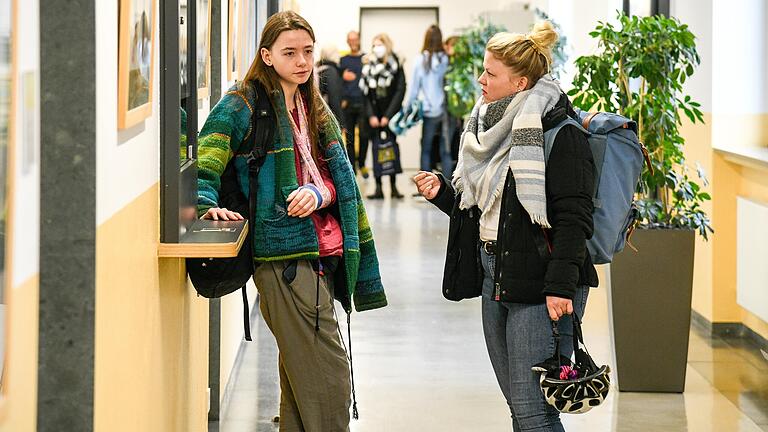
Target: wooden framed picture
(246, 38)
(203, 48)
(136, 61)
(233, 52)
(184, 80)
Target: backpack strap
(551, 134)
(598, 151)
(257, 145)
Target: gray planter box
(650, 310)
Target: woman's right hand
(216, 213)
(428, 184)
(374, 122)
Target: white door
(406, 28)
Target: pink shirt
(328, 230)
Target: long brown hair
(433, 43)
(267, 76)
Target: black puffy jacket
(531, 263)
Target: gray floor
(421, 364)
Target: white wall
(128, 160)
(698, 16)
(740, 53)
(577, 20)
(739, 71)
(332, 19)
(26, 211)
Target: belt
(488, 246)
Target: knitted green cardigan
(277, 236)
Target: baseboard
(729, 330)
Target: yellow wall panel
(151, 370)
(725, 190)
(698, 149)
(714, 291)
(18, 409)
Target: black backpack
(216, 277)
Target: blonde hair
(387, 41)
(529, 55)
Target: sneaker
(364, 172)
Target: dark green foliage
(640, 73)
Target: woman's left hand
(302, 202)
(384, 122)
(558, 307)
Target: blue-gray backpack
(619, 158)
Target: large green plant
(640, 73)
(461, 85)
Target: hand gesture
(348, 75)
(374, 121)
(302, 202)
(216, 213)
(428, 184)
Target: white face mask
(379, 51)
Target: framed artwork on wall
(135, 61)
(203, 51)
(183, 52)
(247, 37)
(242, 38)
(233, 52)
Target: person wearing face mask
(524, 224)
(383, 84)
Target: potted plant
(639, 73)
(461, 86)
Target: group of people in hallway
(365, 91)
(311, 240)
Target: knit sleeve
(225, 129)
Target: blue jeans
(430, 127)
(518, 336)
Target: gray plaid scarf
(508, 136)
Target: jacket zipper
(497, 282)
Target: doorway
(406, 27)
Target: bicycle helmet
(573, 387)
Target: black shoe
(377, 195)
(396, 194)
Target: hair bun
(544, 38)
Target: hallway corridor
(421, 363)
